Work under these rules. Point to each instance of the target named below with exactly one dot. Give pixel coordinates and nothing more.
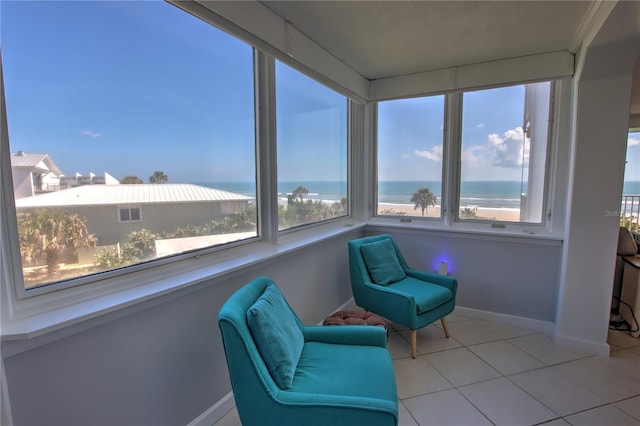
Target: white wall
(601, 111)
(508, 275)
(22, 185)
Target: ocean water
(492, 194)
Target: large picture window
(116, 103)
(312, 150)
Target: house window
(497, 143)
(154, 101)
(312, 150)
(130, 214)
(410, 151)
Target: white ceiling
(379, 39)
(389, 38)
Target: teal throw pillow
(277, 335)
(382, 262)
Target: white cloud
(434, 155)
(633, 142)
(508, 149)
(471, 157)
(91, 133)
(480, 126)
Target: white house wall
(103, 221)
(22, 185)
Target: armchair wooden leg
(414, 338)
(444, 327)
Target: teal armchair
(286, 373)
(384, 284)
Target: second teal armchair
(384, 284)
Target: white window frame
(449, 221)
(129, 209)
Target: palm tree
(131, 179)
(158, 177)
(299, 193)
(47, 232)
(423, 198)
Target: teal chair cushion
(348, 370)
(277, 335)
(428, 296)
(382, 262)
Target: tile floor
(491, 373)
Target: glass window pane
(135, 215)
(410, 147)
(312, 150)
(125, 102)
(504, 152)
(124, 215)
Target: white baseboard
(580, 345)
(349, 304)
(547, 327)
(532, 324)
(215, 412)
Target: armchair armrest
(347, 402)
(365, 335)
(442, 280)
(388, 302)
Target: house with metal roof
(37, 173)
(33, 174)
(114, 211)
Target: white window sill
(481, 230)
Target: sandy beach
(501, 214)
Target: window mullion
(452, 154)
(11, 281)
(359, 158)
(266, 146)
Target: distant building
(91, 179)
(114, 211)
(37, 173)
(33, 174)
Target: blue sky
(99, 97)
(101, 87)
(411, 138)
